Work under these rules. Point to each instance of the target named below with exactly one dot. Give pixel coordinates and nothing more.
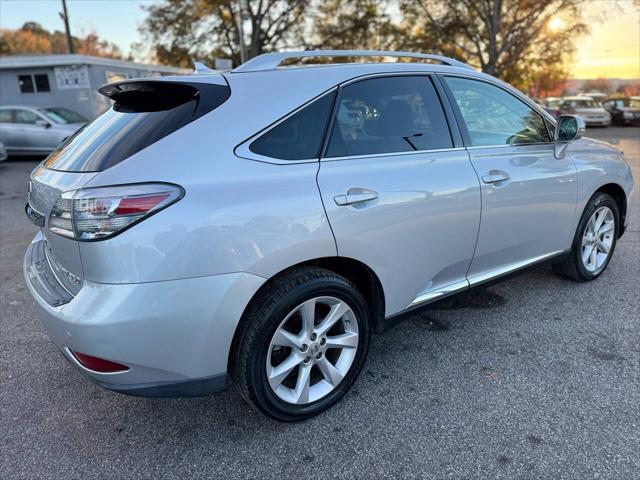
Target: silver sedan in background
(36, 131)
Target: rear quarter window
(298, 137)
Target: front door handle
(355, 195)
(495, 176)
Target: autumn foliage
(33, 39)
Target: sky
(611, 49)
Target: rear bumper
(188, 388)
(174, 336)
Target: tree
(92, 44)
(352, 24)
(33, 39)
(185, 30)
(597, 85)
(512, 39)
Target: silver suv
(257, 226)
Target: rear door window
(299, 137)
(388, 115)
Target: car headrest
(395, 120)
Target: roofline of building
(58, 60)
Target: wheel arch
(618, 194)
(356, 271)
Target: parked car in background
(590, 110)
(598, 97)
(3, 152)
(35, 130)
(624, 111)
(552, 105)
(201, 232)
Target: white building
(69, 81)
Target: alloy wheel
(597, 240)
(312, 350)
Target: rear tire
(287, 325)
(594, 241)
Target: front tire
(302, 343)
(594, 242)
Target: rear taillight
(99, 213)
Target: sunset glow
(612, 48)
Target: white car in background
(599, 97)
(589, 109)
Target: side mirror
(569, 128)
(43, 123)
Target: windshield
(632, 102)
(63, 115)
(586, 103)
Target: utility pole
(65, 17)
(243, 47)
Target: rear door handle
(495, 176)
(355, 196)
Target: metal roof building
(69, 81)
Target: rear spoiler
(142, 95)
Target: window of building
(34, 83)
(42, 82)
(26, 83)
(388, 115)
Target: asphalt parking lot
(535, 378)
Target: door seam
(475, 248)
(324, 209)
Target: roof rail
(271, 61)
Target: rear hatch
(144, 111)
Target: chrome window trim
(242, 150)
(391, 154)
(516, 145)
(404, 73)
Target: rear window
(143, 113)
